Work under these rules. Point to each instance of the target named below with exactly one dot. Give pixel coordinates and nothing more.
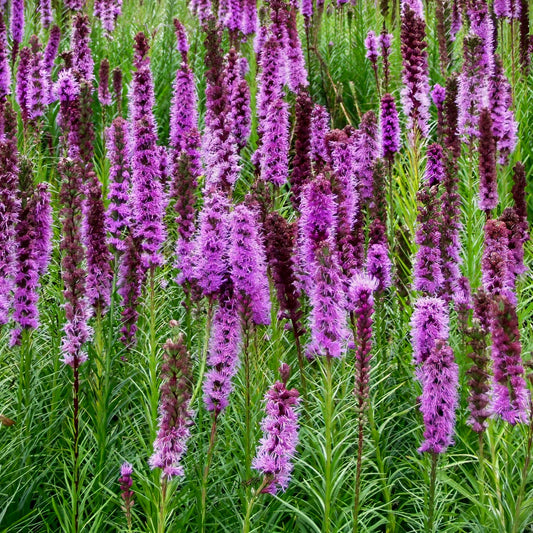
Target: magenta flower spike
(248, 264)
(5, 70)
(212, 243)
(82, 57)
(148, 203)
(23, 79)
(429, 323)
(319, 128)
(38, 88)
(9, 218)
(365, 153)
(327, 319)
(126, 482)
(390, 128)
(439, 377)
(223, 355)
(295, 56)
(277, 447)
(175, 417)
(45, 7)
(488, 179)
(17, 21)
(104, 96)
(52, 47)
(77, 311)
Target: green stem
(358, 474)
(481, 481)
(248, 402)
(249, 507)
(212, 439)
(162, 507)
(328, 422)
(203, 363)
(154, 382)
(432, 483)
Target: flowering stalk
(83, 61)
(361, 310)
(126, 470)
(17, 26)
(372, 54)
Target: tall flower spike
(17, 23)
(429, 322)
(45, 7)
(5, 70)
(427, 269)
(147, 193)
(327, 319)
(175, 417)
(212, 243)
(390, 128)
(23, 77)
(126, 482)
(510, 398)
(415, 94)
(319, 128)
(103, 83)
(439, 377)
(488, 179)
(478, 373)
(372, 53)
(33, 234)
(385, 42)
(118, 214)
(280, 247)
(240, 112)
(361, 303)
(472, 88)
(452, 140)
(99, 277)
(38, 89)
(117, 88)
(129, 288)
(248, 264)
(438, 95)
(82, 57)
(223, 355)
(274, 149)
(295, 55)
(301, 164)
(9, 216)
(504, 126)
(280, 436)
(365, 153)
(77, 311)
(52, 47)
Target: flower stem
(207, 335)
(432, 483)
(76, 422)
(249, 507)
(212, 439)
(162, 507)
(328, 421)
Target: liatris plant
(390, 128)
(478, 373)
(372, 53)
(240, 112)
(108, 11)
(510, 395)
(175, 418)
(116, 82)
(34, 232)
(77, 311)
(428, 273)
(126, 482)
(17, 26)
(504, 126)
(83, 62)
(385, 42)
(365, 153)
(361, 306)
(147, 193)
(488, 185)
(452, 140)
(301, 165)
(319, 129)
(438, 95)
(118, 214)
(103, 83)
(38, 90)
(23, 76)
(99, 277)
(5, 70)
(415, 93)
(129, 287)
(280, 248)
(46, 13)
(9, 216)
(439, 377)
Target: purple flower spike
(38, 89)
(223, 356)
(390, 128)
(212, 243)
(317, 234)
(52, 47)
(510, 395)
(365, 153)
(99, 277)
(126, 471)
(46, 12)
(248, 264)
(280, 437)
(5, 70)
(175, 417)
(379, 265)
(295, 56)
(17, 21)
(429, 322)
(23, 79)
(439, 377)
(488, 179)
(83, 61)
(77, 310)
(319, 128)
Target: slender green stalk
(249, 507)
(328, 421)
(432, 483)
(154, 382)
(525, 471)
(212, 439)
(481, 480)
(248, 402)
(207, 335)
(76, 424)
(162, 508)
(358, 474)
